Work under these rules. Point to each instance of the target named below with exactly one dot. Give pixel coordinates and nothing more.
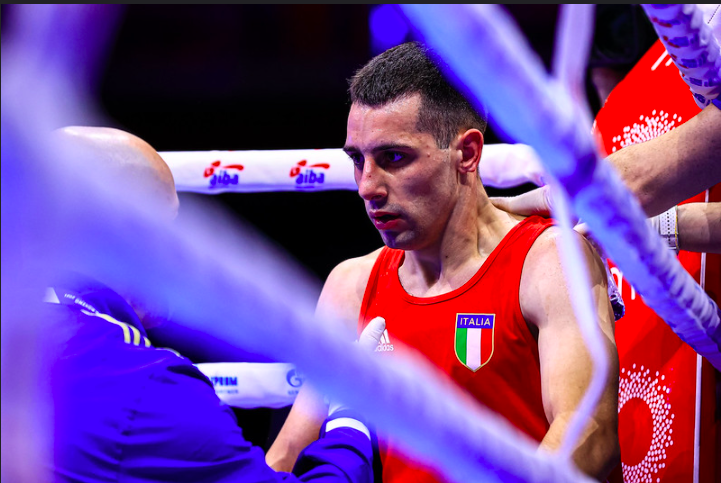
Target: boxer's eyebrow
(376, 149)
(391, 147)
(350, 150)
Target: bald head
(124, 154)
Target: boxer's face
(408, 183)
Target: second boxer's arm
(339, 300)
(300, 429)
(675, 166)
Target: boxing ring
(692, 315)
(279, 321)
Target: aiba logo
(222, 177)
(309, 177)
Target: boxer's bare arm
(566, 366)
(340, 299)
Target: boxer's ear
(470, 146)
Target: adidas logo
(384, 345)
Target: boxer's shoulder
(358, 267)
(352, 274)
(544, 256)
(343, 291)
(543, 287)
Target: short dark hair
(411, 68)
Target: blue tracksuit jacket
(129, 412)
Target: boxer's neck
(473, 231)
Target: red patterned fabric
(658, 380)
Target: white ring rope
(213, 172)
(692, 46)
(545, 118)
(573, 43)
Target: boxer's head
(412, 69)
(415, 142)
(133, 160)
(120, 157)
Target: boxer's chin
(400, 240)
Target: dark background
(204, 77)
(191, 77)
(260, 77)
(275, 77)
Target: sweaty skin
(429, 202)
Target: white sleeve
(508, 165)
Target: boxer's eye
(357, 159)
(394, 157)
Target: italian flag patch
(474, 339)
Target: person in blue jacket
(125, 411)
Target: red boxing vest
(667, 428)
(476, 334)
